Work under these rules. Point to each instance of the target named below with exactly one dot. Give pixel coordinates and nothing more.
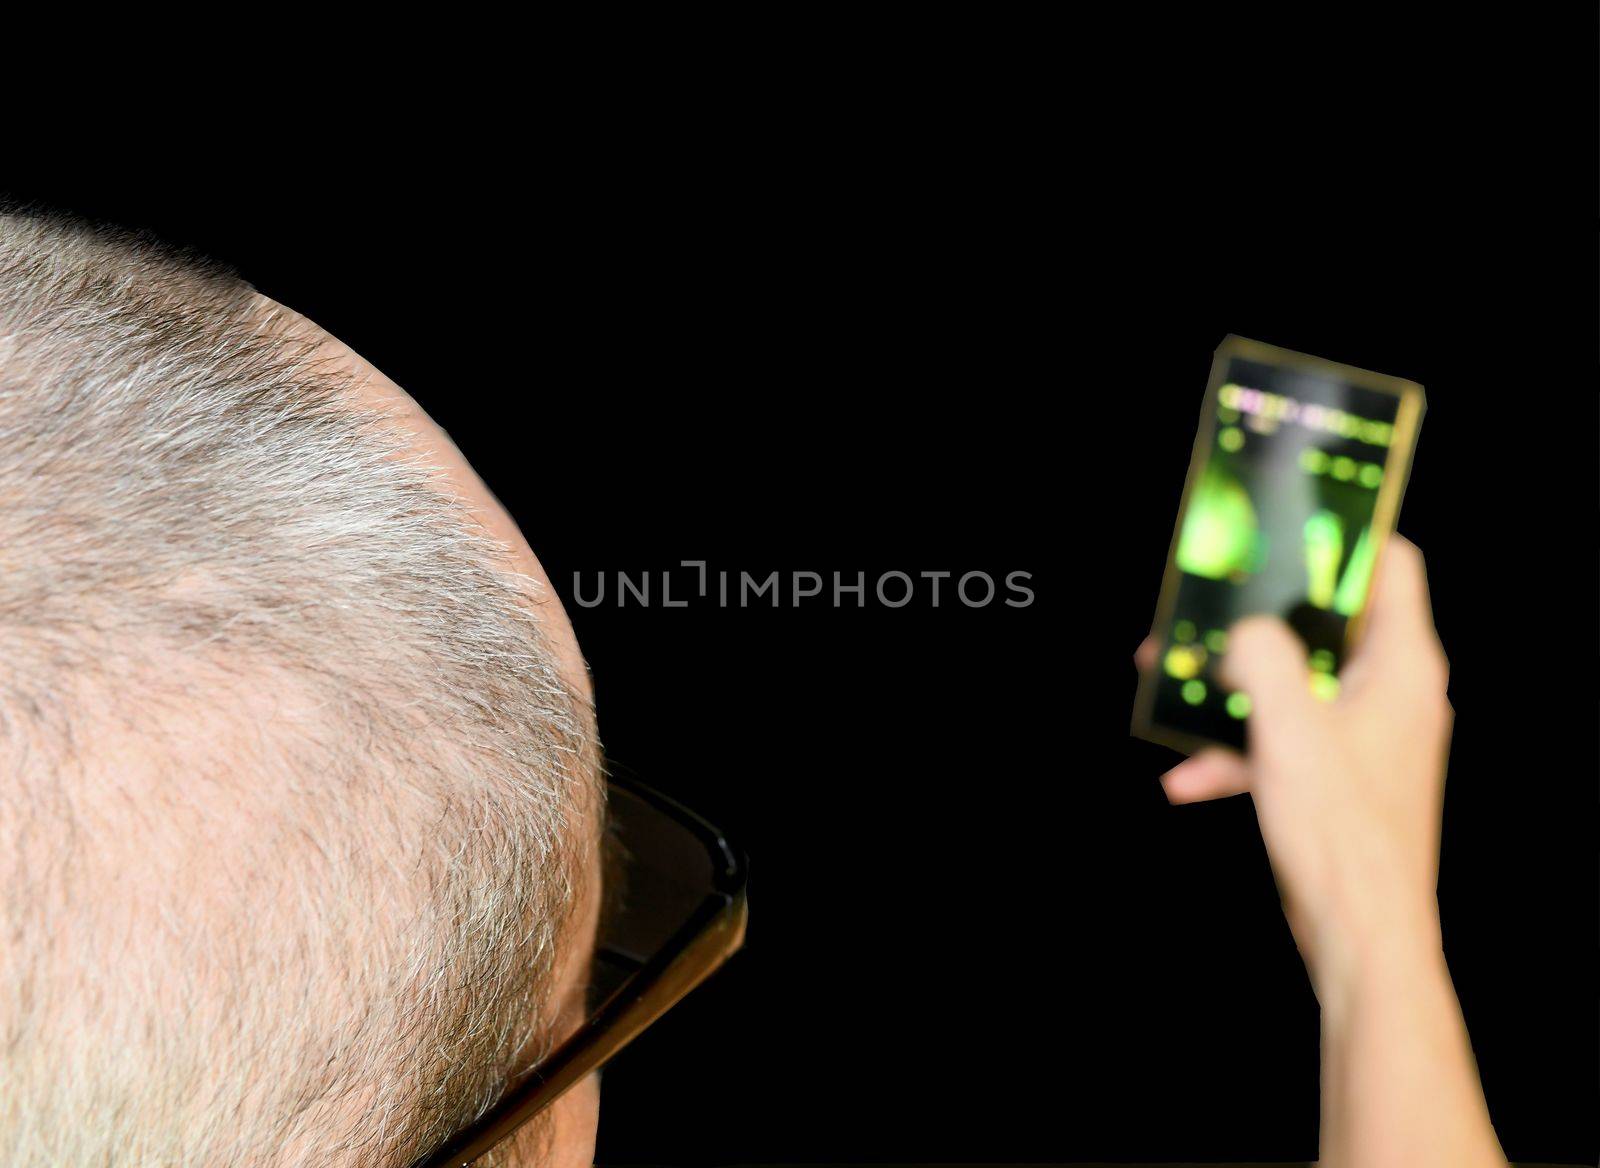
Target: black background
(898, 310)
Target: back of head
(289, 774)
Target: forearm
(1400, 1086)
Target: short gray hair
(290, 780)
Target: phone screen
(1297, 475)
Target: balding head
(297, 767)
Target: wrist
(1383, 945)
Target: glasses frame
(712, 934)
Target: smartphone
(1296, 478)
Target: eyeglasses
(674, 912)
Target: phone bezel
(1408, 419)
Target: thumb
(1267, 660)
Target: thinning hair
(291, 785)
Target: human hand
(1348, 793)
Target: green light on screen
(1344, 469)
(1322, 661)
(1324, 549)
(1324, 687)
(1352, 593)
(1219, 528)
(1313, 460)
(1183, 661)
(1230, 438)
(1194, 691)
(1239, 704)
(1183, 631)
(1370, 475)
(1376, 433)
(1217, 640)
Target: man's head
(299, 796)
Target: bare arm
(1348, 794)
(1399, 1083)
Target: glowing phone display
(1296, 478)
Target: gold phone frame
(1408, 418)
